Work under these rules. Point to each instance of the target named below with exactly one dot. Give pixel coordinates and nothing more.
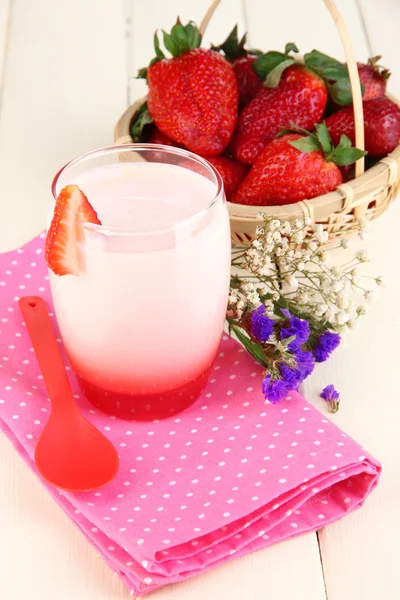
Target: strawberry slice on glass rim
(72, 210)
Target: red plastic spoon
(71, 453)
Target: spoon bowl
(71, 453)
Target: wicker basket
(368, 195)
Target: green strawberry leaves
(324, 138)
(344, 154)
(232, 47)
(334, 73)
(306, 144)
(329, 67)
(181, 39)
(320, 140)
(270, 66)
(143, 118)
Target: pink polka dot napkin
(228, 476)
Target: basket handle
(351, 64)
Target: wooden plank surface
(4, 29)
(360, 553)
(69, 74)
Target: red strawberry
(373, 77)
(242, 60)
(158, 137)
(249, 83)
(381, 125)
(295, 167)
(299, 99)
(193, 96)
(71, 211)
(336, 76)
(232, 173)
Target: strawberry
(144, 130)
(249, 84)
(296, 166)
(373, 77)
(193, 96)
(158, 137)
(71, 211)
(242, 60)
(293, 95)
(381, 125)
(232, 173)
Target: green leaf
(345, 156)
(142, 119)
(193, 35)
(291, 47)
(340, 92)
(344, 142)
(170, 44)
(323, 137)
(142, 73)
(231, 47)
(180, 38)
(334, 73)
(265, 63)
(273, 78)
(306, 144)
(159, 53)
(253, 348)
(322, 62)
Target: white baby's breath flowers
(321, 309)
(344, 243)
(362, 256)
(289, 264)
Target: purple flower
(332, 396)
(261, 326)
(297, 327)
(274, 390)
(295, 375)
(305, 363)
(325, 345)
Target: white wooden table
(66, 74)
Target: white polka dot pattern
(228, 476)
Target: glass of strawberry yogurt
(138, 247)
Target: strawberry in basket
(294, 166)
(242, 60)
(373, 77)
(291, 94)
(381, 125)
(232, 173)
(193, 96)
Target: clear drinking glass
(142, 322)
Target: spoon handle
(40, 329)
